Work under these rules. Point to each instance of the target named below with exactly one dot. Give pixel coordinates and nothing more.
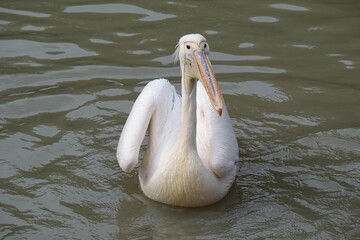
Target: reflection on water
(70, 73)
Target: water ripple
(247, 69)
(265, 19)
(289, 7)
(119, 8)
(121, 34)
(44, 104)
(246, 45)
(83, 73)
(16, 48)
(32, 28)
(303, 46)
(216, 56)
(25, 13)
(295, 119)
(2, 22)
(263, 90)
(334, 142)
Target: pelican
(192, 151)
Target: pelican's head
(192, 51)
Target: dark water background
(71, 70)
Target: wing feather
(142, 112)
(216, 140)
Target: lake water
(71, 70)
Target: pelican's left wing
(216, 141)
(138, 121)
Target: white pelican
(192, 150)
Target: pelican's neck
(188, 111)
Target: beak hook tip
(219, 111)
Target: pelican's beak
(207, 78)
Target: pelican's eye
(188, 46)
(205, 45)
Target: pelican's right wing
(138, 121)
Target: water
(71, 70)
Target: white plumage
(192, 150)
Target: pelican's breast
(183, 180)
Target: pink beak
(207, 78)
